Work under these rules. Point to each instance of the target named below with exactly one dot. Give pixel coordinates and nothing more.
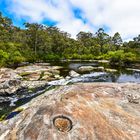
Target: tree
(59, 40)
(38, 42)
(86, 38)
(3, 57)
(6, 28)
(102, 38)
(137, 39)
(33, 32)
(117, 40)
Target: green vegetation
(39, 43)
(41, 75)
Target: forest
(40, 43)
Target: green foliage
(39, 43)
(16, 58)
(41, 75)
(51, 57)
(24, 74)
(2, 118)
(120, 57)
(3, 58)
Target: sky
(73, 16)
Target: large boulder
(8, 74)
(82, 111)
(110, 70)
(86, 68)
(9, 87)
(38, 72)
(90, 68)
(18, 81)
(10, 81)
(72, 73)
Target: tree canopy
(41, 43)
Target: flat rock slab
(93, 111)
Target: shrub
(120, 57)
(3, 58)
(16, 58)
(51, 57)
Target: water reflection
(121, 76)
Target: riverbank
(99, 110)
(18, 86)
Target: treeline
(39, 43)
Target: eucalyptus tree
(6, 28)
(102, 39)
(117, 41)
(36, 36)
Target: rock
(38, 72)
(8, 74)
(9, 81)
(58, 82)
(67, 77)
(57, 76)
(9, 87)
(110, 70)
(42, 64)
(12, 82)
(90, 68)
(135, 70)
(100, 68)
(103, 61)
(19, 89)
(93, 76)
(133, 99)
(57, 67)
(73, 74)
(33, 84)
(86, 68)
(82, 111)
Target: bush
(129, 57)
(16, 58)
(87, 57)
(120, 57)
(3, 58)
(51, 57)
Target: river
(120, 75)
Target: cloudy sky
(121, 16)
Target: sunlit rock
(73, 74)
(81, 111)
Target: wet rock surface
(86, 68)
(26, 80)
(90, 68)
(73, 74)
(79, 112)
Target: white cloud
(119, 15)
(60, 11)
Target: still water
(122, 75)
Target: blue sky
(121, 16)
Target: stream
(122, 75)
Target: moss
(25, 79)
(31, 89)
(41, 75)
(24, 74)
(2, 118)
(19, 109)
